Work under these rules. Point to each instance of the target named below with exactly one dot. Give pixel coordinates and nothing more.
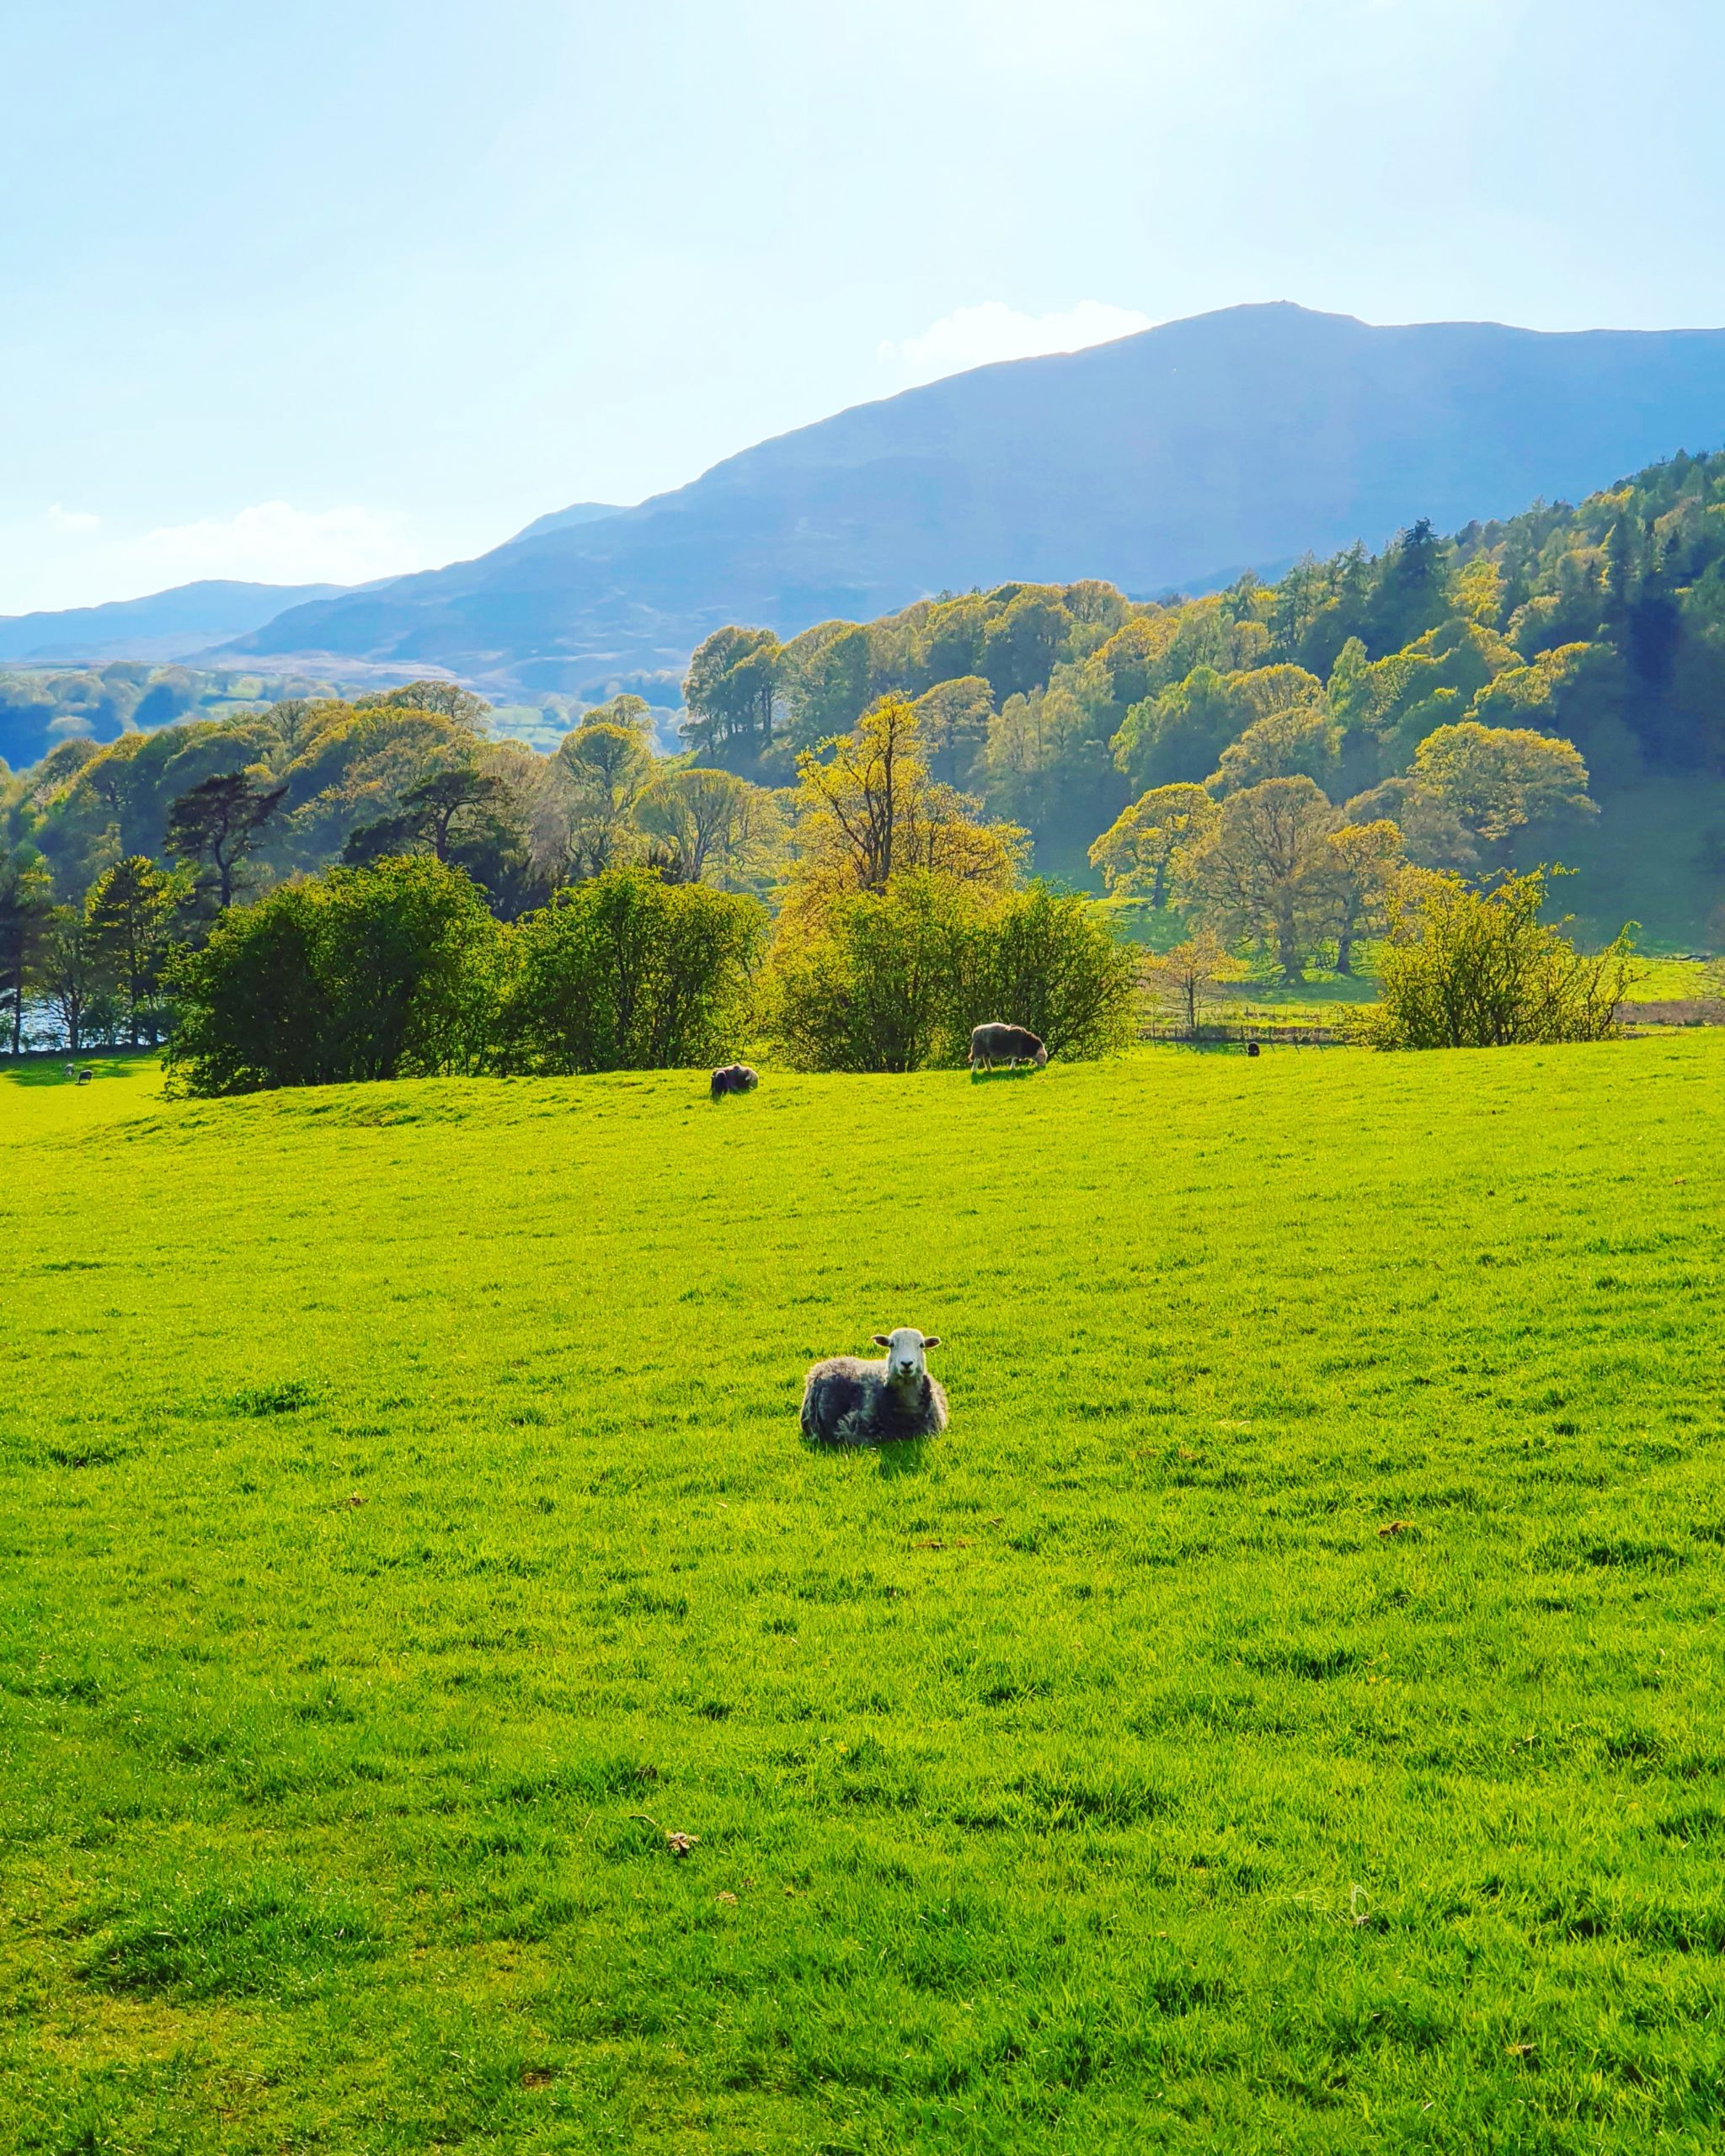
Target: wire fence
(1224, 1033)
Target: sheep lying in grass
(734, 1078)
(847, 1402)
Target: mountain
(166, 625)
(1176, 457)
(560, 519)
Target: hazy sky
(334, 288)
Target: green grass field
(1284, 1711)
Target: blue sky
(332, 290)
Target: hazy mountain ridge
(1176, 457)
(163, 625)
(560, 519)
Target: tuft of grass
(248, 1938)
(287, 1398)
(443, 1702)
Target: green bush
(628, 973)
(878, 987)
(1052, 963)
(1464, 968)
(363, 972)
(895, 980)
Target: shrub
(362, 973)
(1464, 969)
(1051, 964)
(879, 986)
(895, 980)
(626, 973)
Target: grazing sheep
(85, 1077)
(71, 1071)
(847, 1402)
(998, 1044)
(734, 1078)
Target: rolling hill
(1176, 457)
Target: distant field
(1284, 1711)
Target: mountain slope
(1180, 456)
(166, 625)
(561, 520)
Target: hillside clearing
(1283, 1711)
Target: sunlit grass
(1281, 1711)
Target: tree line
(1454, 704)
(902, 921)
(1264, 762)
(189, 819)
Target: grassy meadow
(1284, 1712)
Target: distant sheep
(847, 1402)
(734, 1078)
(85, 1077)
(998, 1043)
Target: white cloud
(273, 543)
(71, 558)
(974, 336)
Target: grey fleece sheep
(734, 1078)
(847, 1402)
(998, 1043)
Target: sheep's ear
(931, 1340)
(880, 1340)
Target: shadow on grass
(49, 1069)
(904, 1456)
(1001, 1076)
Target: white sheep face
(904, 1353)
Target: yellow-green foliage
(1281, 1713)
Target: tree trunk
(1288, 952)
(1344, 955)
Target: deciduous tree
(1299, 741)
(1496, 779)
(1360, 867)
(1186, 977)
(1258, 871)
(866, 810)
(1136, 853)
(710, 825)
(954, 718)
(597, 777)
(731, 690)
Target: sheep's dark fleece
(847, 1402)
(998, 1043)
(734, 1078)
